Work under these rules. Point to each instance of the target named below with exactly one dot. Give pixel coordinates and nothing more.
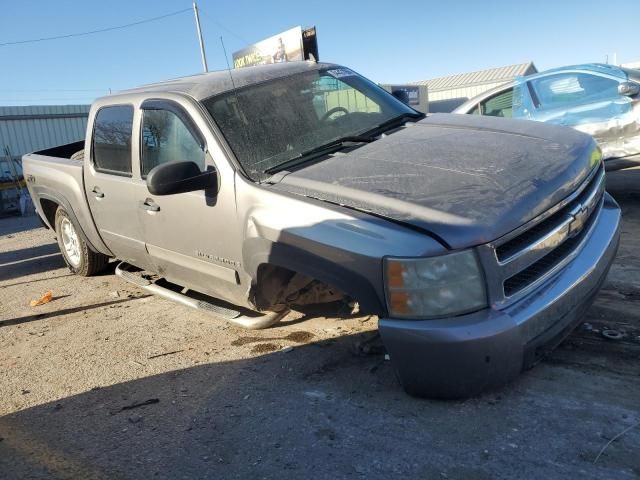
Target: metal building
(447, 93)
(30, 128)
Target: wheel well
(279, 286)
(49, 208)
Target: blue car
(598, 99)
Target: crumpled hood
(466, 179)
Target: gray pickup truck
(478, 242)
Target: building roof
(492, 75)
(205, 85)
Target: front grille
(539, 269)
(546, 244)
(539, 230)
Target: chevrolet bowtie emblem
(580, 215)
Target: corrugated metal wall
(30, 128)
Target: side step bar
(252, 322)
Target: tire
(78, 156)
(80, 259)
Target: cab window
(166, 138)
(112, 140)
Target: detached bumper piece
(249, 320)
(463, 356)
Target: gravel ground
(107, 382)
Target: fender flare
(259, 251)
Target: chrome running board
(236, 317)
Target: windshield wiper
(393, 122)
(325, 149)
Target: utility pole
(202, 52)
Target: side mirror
(628, 89)
(180, 177)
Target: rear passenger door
(108, 185)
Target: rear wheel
(80, 259)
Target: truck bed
(62, 151)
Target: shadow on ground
(28, 261)
(318, 411)
(11, 225)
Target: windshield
(271, 123)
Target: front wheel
(80, 259)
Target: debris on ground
(46, 298)
(614, 439)
(612, 334)
(115, 294)
(370, 346)
(164, 354)
(150, 401)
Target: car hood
(465, 180)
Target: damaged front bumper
(465, 355)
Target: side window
(573, 88)
(500, 105)
(112, 139)
(165, 138)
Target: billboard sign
(287, 46)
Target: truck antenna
(228, 66)
(233, 85)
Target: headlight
(434, 287)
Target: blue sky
(386, 41)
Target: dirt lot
(106, 382)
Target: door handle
(97, 192)
(150, 205)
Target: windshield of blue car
(271, 123)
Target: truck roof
(205, 85)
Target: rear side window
(112, 139)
